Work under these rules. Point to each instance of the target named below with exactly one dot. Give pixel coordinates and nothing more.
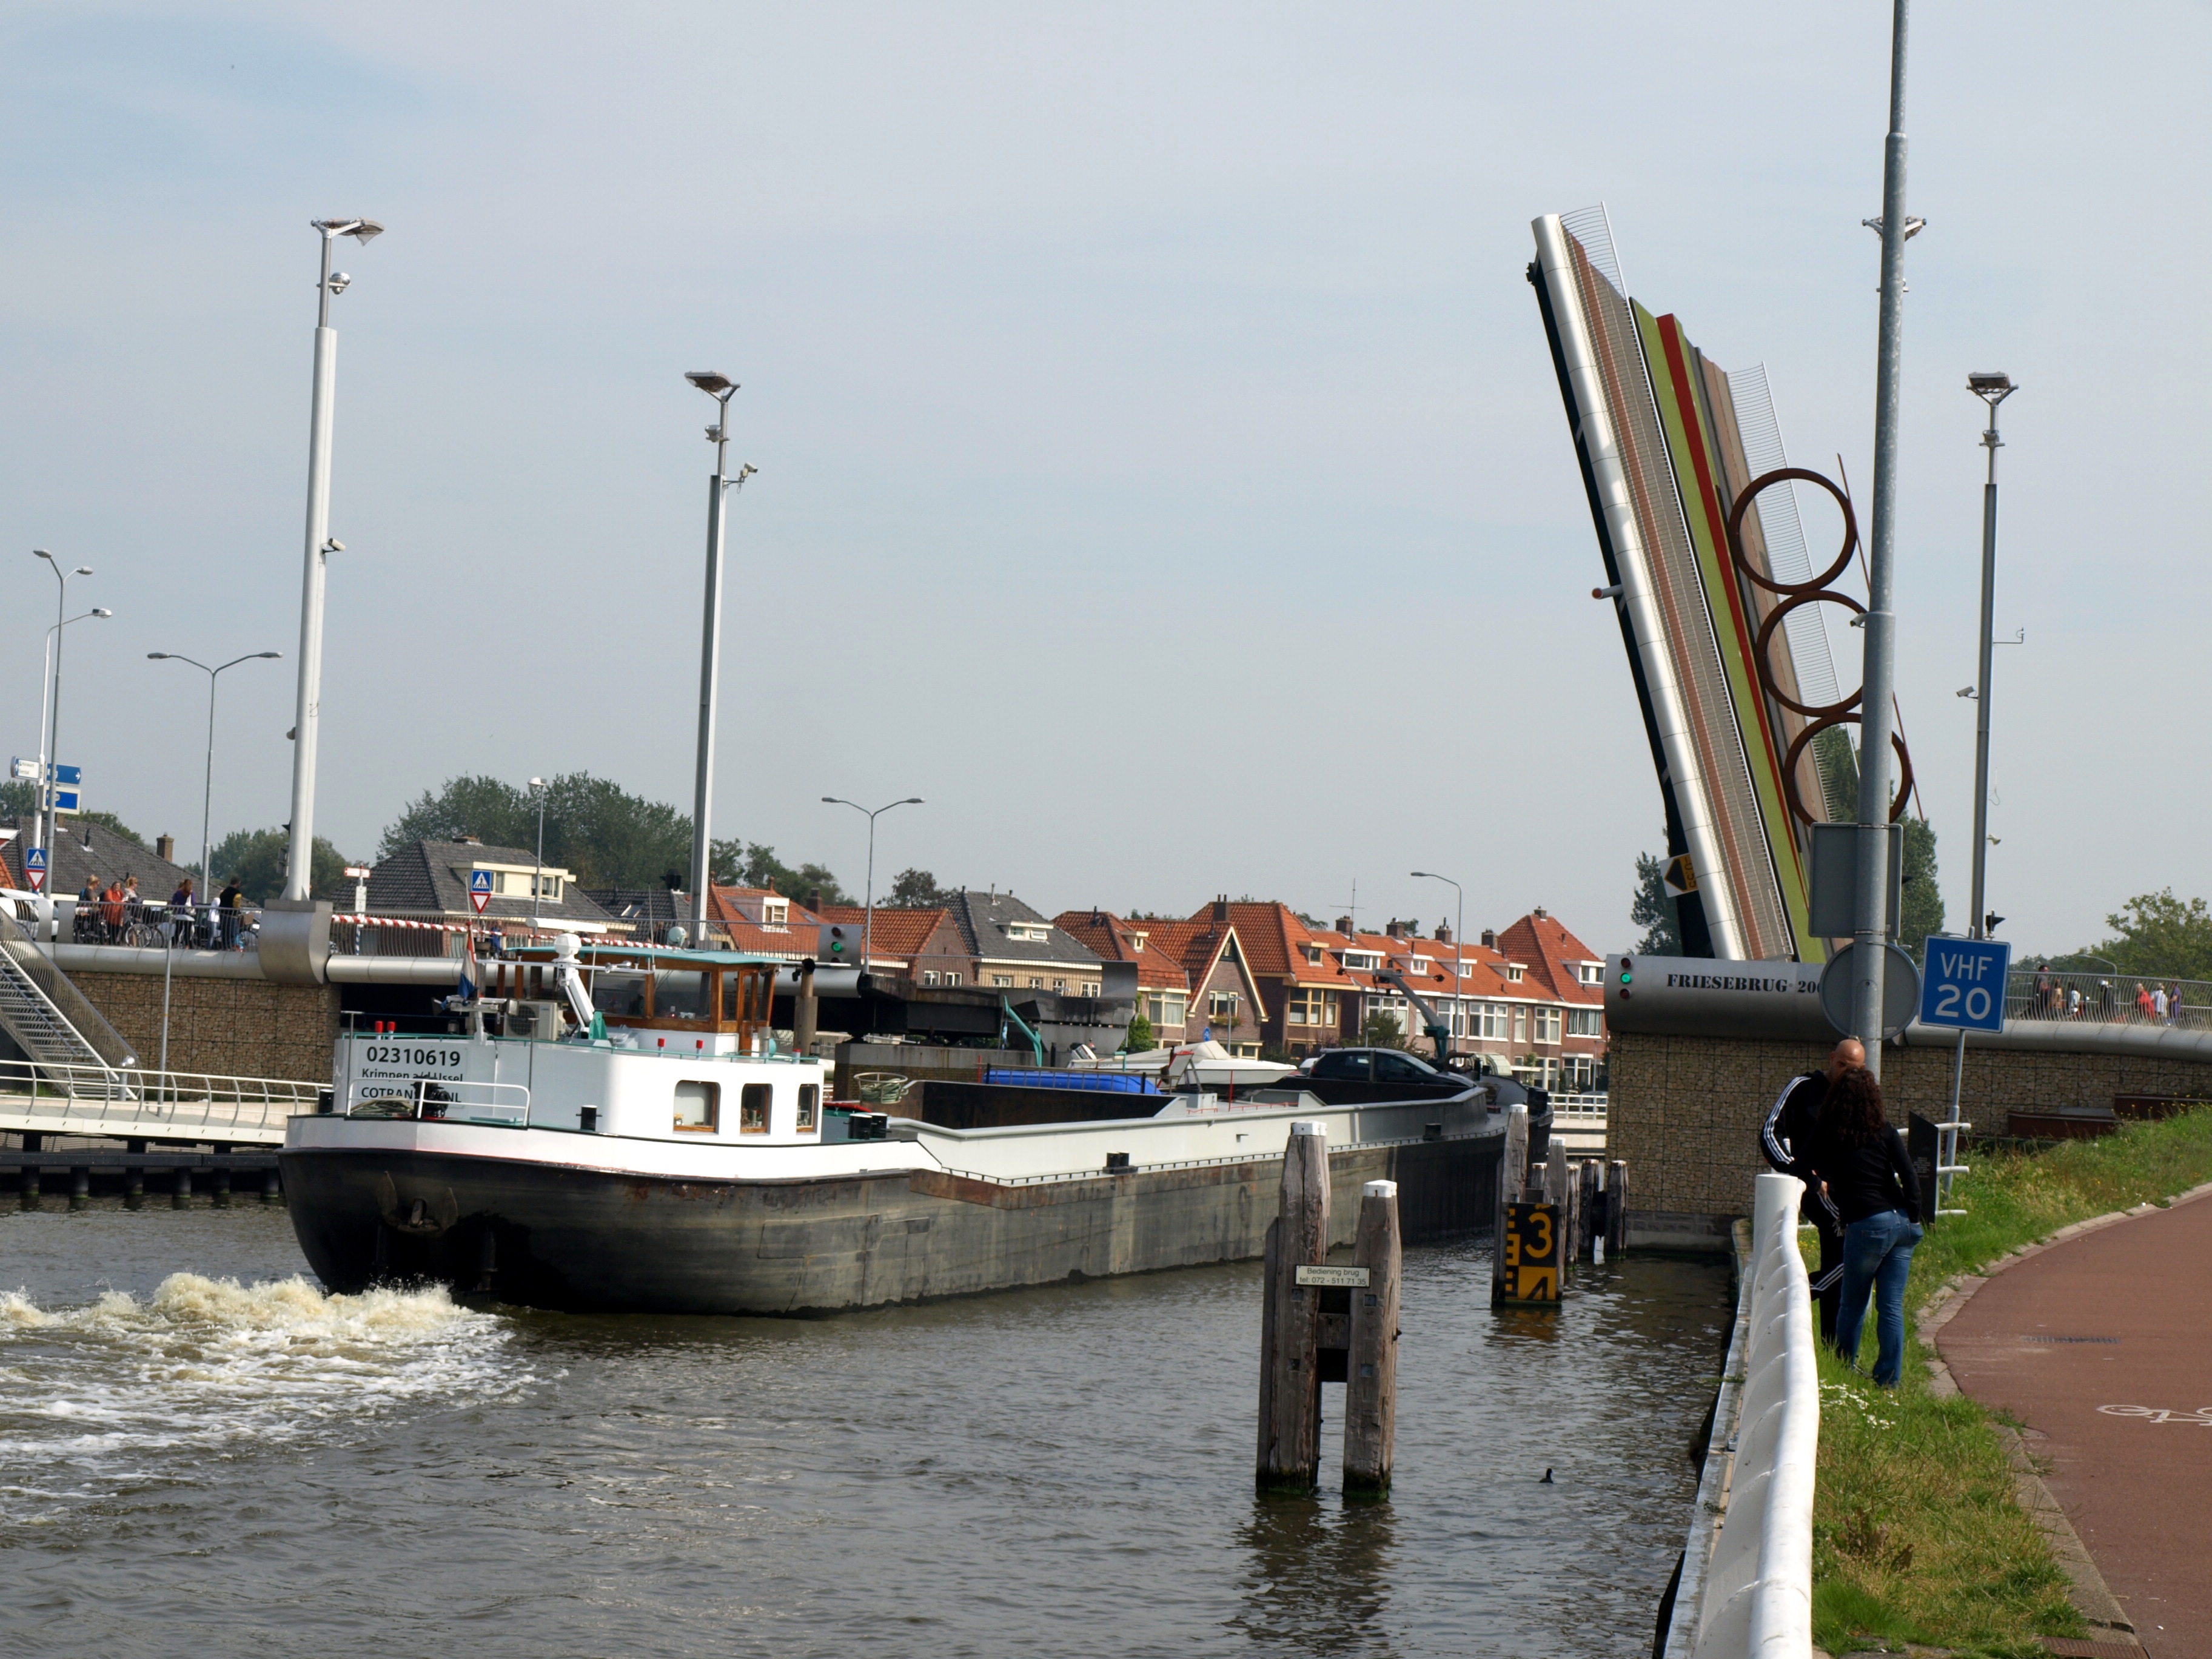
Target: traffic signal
(1627, 974)
(1990, 923)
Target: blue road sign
(480, 890)
(1964, 987)
(35, 858)
(65, 800)
(68, 774)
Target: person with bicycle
(110, 912)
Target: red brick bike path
(2101, 1345)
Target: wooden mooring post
(1616, 1209)
(1371, 1365)
(1290, 1372)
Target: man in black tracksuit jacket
(1787, 1140)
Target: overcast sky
(1160, 465)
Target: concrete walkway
(2101, 1345)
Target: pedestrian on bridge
(1787, 1141)
(1867, 1174)
(232, 897)
(180, 913)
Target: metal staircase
(55, 1025)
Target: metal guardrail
(145, 924)
(504, 1104)
(2113, 998)
(1590, 1105)
(134, 1102)
(1758, 1591)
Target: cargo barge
(641, 1147)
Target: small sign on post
(1964, 988)
(34, 868)
(480, 890)
(1356, 1278)
(1532, 1254)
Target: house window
(1036, 983)
(752, 1109)
(1363, 960)
(1057, 985)
(952, 979)
(698, 1107)
(1004, 981)
(1313, 954)
(1588, 973)
(1515, 973)
(1221, 1004)
(810, 1104)
(1312, 1007)
(1167, 1007)
(1089, 990)
(1547, 1025)
(929, 977)
(1520, 1024)
(1492, 1021)
(1586, 1021)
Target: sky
(1162, 470)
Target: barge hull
(583, 1240)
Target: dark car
(1353, 1077)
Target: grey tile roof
(981, 919)
(433, 875)
(112, 856)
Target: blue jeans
(1877, 1255)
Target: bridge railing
(2112, 998)
(133, 1101)
(1758, 1594)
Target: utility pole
(720, 387)
(1992, 389)
(1876, 709)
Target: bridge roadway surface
(2086, 1342)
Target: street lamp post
(298, 871)
(51, 758)
(868, 925)
(538, 880)
(719, 387)
(45, 669)
(1992, 389)
(207, 796)
(1459, 938)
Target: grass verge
(1915, 1534)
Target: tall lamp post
(51, 758)
(538, 880)
(299, 868)
(45, 671)
(207, 795)
(868, 925)
(1870, 937)
(1992, 389)
(1458, 938)
(719, 387)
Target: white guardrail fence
(1757, 1595)
(132, 1102)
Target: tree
(258, 857)
(751, 864)
(1382, 1030)
(1653, 909)
(1140, 1037)
(917, 890)
(2158, 935)
(1920, 906)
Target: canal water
(202, 1453)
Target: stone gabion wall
(1685, 1111)
(231, 1027)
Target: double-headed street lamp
(1992, 389)
(46, 668)
(868, 925)
(299, 872)
(719, 387)
(207, 797)
(51, 759)
(1458, 938)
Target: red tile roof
(1159, 967)
(1551, 952)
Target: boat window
(752, 1109)
(698, 1107)
(679, 996)
(614, 993)
(809, 1101)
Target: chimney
(1392, 928)
(1539, 913)
(1489, 939)
(1344, 926)
(814, 901)
(1443, 933)
(164, 848)
(1221, 907)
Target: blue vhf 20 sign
(1963, 985)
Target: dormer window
(775, 913)
(1515, 973)
(1313, 954)
(1136, 942)
(1034, 932)
(1365, 962)
(1588, 973)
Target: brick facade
(1686, 1111)
(229, 1027)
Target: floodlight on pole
(207, 796)
(1992, 388)
(538, 880)
(720, 387)
(300, 857)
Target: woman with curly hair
(1864, 1166)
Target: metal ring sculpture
(1814, 591)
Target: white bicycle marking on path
(2201, 1417)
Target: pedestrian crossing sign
(480, 889)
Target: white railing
(1566, 1105)
(1758, 1594)
(130, 1102)
(460, 1101)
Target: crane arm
(1439, 1031)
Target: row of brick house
(1257, 977)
